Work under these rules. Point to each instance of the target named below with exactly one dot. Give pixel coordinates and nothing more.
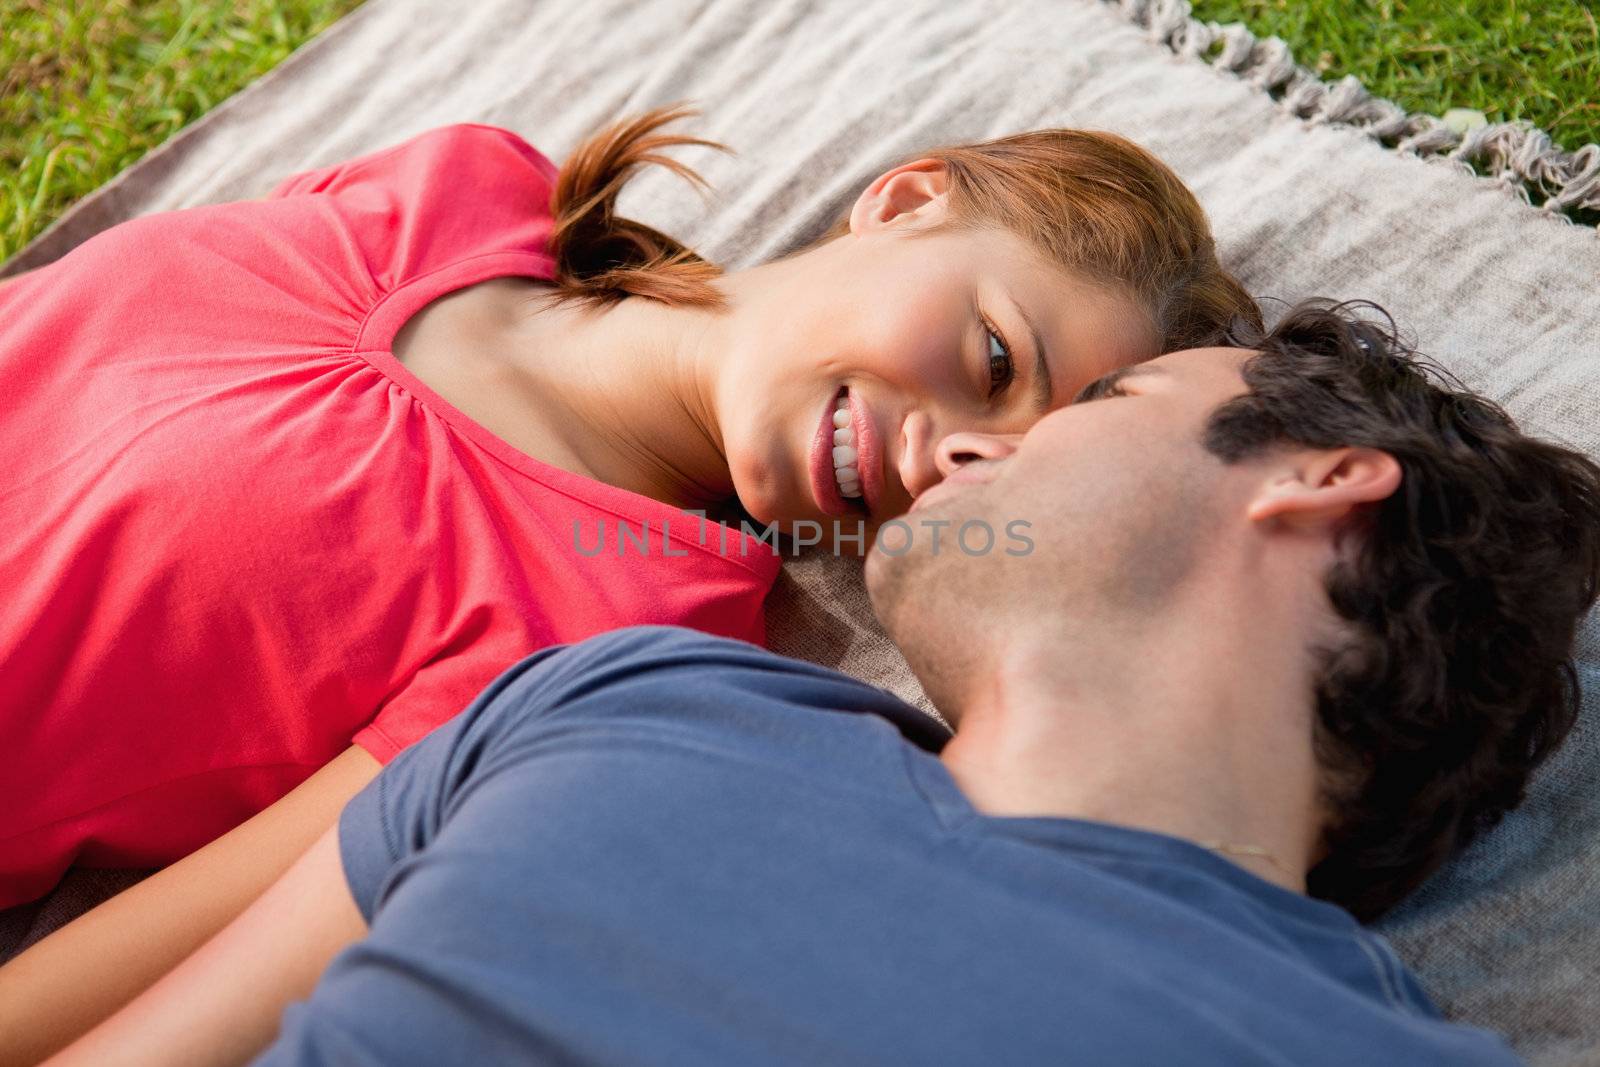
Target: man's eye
(1100, 389)
(1001, 367)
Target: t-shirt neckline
(957, 814)
(374, 343)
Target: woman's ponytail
(602, 258)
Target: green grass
(1537, 60)
(89, 86)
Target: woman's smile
(846, 465)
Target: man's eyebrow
(1042, 389)
(1106, 384)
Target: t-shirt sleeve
(438, 691)
(401, 810)
(443, 196)
(721, 601)
(404, 808)
(621, 679)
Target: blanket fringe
(1517, 156)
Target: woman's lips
(869, 452)
(868, 461)
(824, 486)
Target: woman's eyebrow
(1042, 389)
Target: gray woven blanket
(817, 95)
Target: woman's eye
(1001, 368)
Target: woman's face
(912, 335)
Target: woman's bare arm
(222, 1005)
(78, 976)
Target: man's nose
(958, 449)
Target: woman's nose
(958, 449)
(926, 457)
(917, 465)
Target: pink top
(240, 535)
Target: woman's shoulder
(496, 143)
(439, 159)
(441, 197)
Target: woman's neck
(629, 385)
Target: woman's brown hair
(1093, 203)
(601, 257)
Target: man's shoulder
(660, 673)
(668, 645)
(653, 654)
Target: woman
(291, 480)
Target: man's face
(1116, 493)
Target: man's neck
(1190, 729)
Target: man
(1295, 619)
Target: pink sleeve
(438, 692)
(725, 602)
(442, 196)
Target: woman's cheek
(904, 348)
(937, 324)
(767, 478)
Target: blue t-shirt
(658, 847)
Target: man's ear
(913, 195)
(1324, 486)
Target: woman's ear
(1322, 487)
(911, 196)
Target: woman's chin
(805, 527)
(848, 536)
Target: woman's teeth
(845, 471)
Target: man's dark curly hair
(1460, 594)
